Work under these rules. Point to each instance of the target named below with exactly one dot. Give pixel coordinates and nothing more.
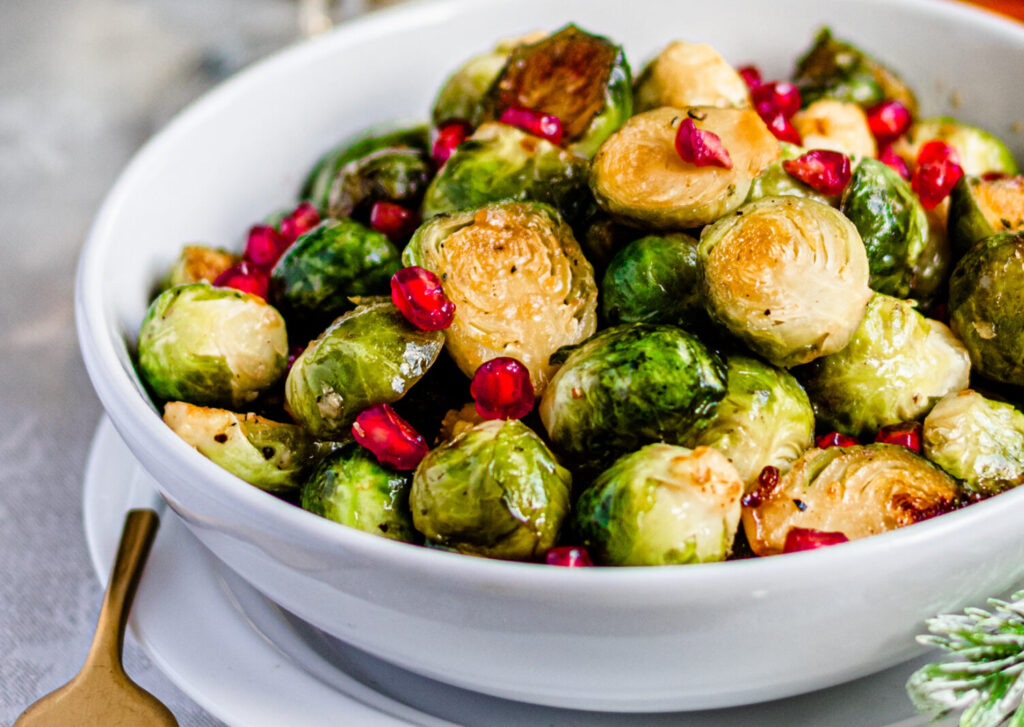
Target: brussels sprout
(835, 125)
(639, 178)
(520, 284)
(980, 209)
(207, 345)
(334, 261)
(368, 356)
(978, 150)
(499, 163)
(582, 79)
(352, 488)
(986, 297)
(496, 491)
(775, 181)
(895, 368)
(459, 99)
(630, 385)
(857, 491)
(662, 505)
(977, 440)
(930, 273)
(765, 419)
(787, 275)
(689, 74)
(654, 279)
(268, 454)
(198, 264)
(891, 222)
(835, 69)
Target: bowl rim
(134, 417)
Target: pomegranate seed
(994, 176)
(393, 220)
(894, 161)
(767, 481)
(777, 97)
(888, 120)
(569, 556)
(936, 173)
(264, 246)
(835, 439)
(750, 75)
(701, 148)
(937, 151)
(807, 539)
(546, 126)
(822, 170)
(449, 136)
(782, 128)
(293, 353)
(418, 294)
(502, 389)
(904, 434)
(301, 220)
(390, 438)
(245, 277)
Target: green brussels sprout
(986, 297)
(689, 74)
(775, 181)
(891, 222)
(639, 178)
(460, 97)
(786, 275)
(270, 455)
(835, 125)
(211, 346)
(895, 368)
(978, 150)
(630, 385)
(980, 208)
(977, 440)
(336, 260)
(654, 279)
(520, 284)
(764, 420)
(931, 272)
(857, 491)
(661, 505)
(835, 69)
(198, 264)
(351, 487)
(501, 163)
(496, 491)
(368, 356)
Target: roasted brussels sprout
(787, 275)
(978, 150)
(765, 419)
(198, 264)
(895, 368)
(520, 284)
(639, 178)
(931, 272)
(835, 125)
(689, 74)
(980, 208)
(630, 385)
(662, 505)
(582, 79)
(496, 491)
(775, 181)
(351, 487)
(857, 491)
(986, 298)
(211, 346)
(368, 356)
(654, 279)
(501, 163)
(460, 96)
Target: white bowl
(612, 639)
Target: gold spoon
(102, 695)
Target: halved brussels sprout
(496, 491)
(351, 487)
(689, 74)
(895, 368)
(765, 419)
(501, 163)
(788, 276)
(368, 356)
(582, 79)
(662, 505)
(986, 300)
(460, 96)
(775, 181)
(630, 385)
(639, 178)
(857, 491)
(835, 125)
(520, 284)
(199, 264)
(977, 440)
(978, 150)
(216, 346)
(655, 279)
(270, 455)
(891, 222)
(979, 208)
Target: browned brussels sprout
(689, 74)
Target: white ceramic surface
(625, 639)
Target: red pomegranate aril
(701, 148)
(418, 294)
(546, 126)
(937, 171)
(822, 170)
(835, 439)
(888, 120)
(392, 220)
(264, 246)
(894, 161)
(904, 434)
(301, 220)
(782, 128)
(502, 389)
(245, 277)
(569, 556)
(767, 481)
(293, 353)
(779, 97)
(750, 75)
(390, 438)
(937, 151)
(449, 136)
(798, 539)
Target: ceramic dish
(614, 639)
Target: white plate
(251, 664)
